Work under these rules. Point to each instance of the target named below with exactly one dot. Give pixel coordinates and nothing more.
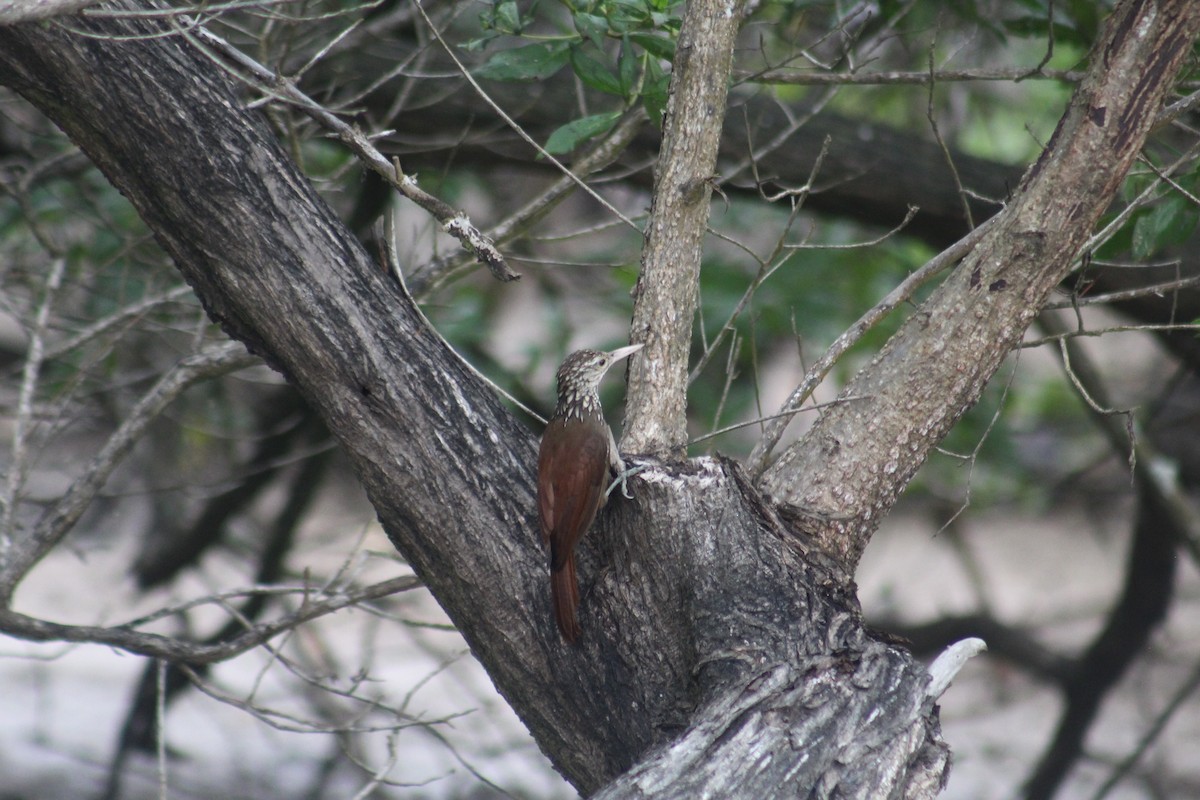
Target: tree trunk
(845, 474)
(722, 654)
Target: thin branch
(57, 520)
(937, 135)
(22, 626)
(454, 222)
(1177, 109)
(29, 378)
(765, 271)
(972, 458)
(921, 78)
(757, 462)
(730, 375)
(1144, 198)
(1087, 332)
(780, 415)
(1158, 289)
(1152, 733)
(908, 217)
(394, 266)
(431, 277)
(125, 314)
(513, 123)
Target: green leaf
(654, 92)
(627, 67)
(655, 45)
(595, 73)
(593, 27)
(569, 136)
(507, 17)
(529, 63)
(1169, 223)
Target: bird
(577, 459)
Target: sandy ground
(61, 707)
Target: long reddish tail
(564, 593)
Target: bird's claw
(622, 479)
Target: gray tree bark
(723, 652)
(936, 366)
(668, 285)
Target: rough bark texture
(700, 614)
(717, 647)
(667, 288)
(846, 473)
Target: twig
(758, 459)
(972, 459)
(1143, 198)
(780, 415)
(127, 313)
(781, 76)
(454, 222)
(513, 123)
(29, 378)
(1158, 289)
(57, 520)
(429, 278)
(394, 266)
(1152, 733)
(908, 217)
(937, 135)
(1071, 334)
(22, 626)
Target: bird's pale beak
(622, 352)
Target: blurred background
(862, 139)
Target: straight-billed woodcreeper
(577, 460)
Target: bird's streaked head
(580, 374)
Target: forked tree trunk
(722, 654)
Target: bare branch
(858, 457)
(950, 663)
(29, 379)
(1151, 735)
(57, 520)
(757, 461)
(431, 277)
(125, 315)
(1158, 289)
(1105, 331)
(175, 650)
(453, 221)
(790, 76)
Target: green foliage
(1165, 222)
(569, 136)
(1169, 223)
(529, 63)
(814, 295)
(615, 47)
(1075, 22)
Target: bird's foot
(621, 479)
